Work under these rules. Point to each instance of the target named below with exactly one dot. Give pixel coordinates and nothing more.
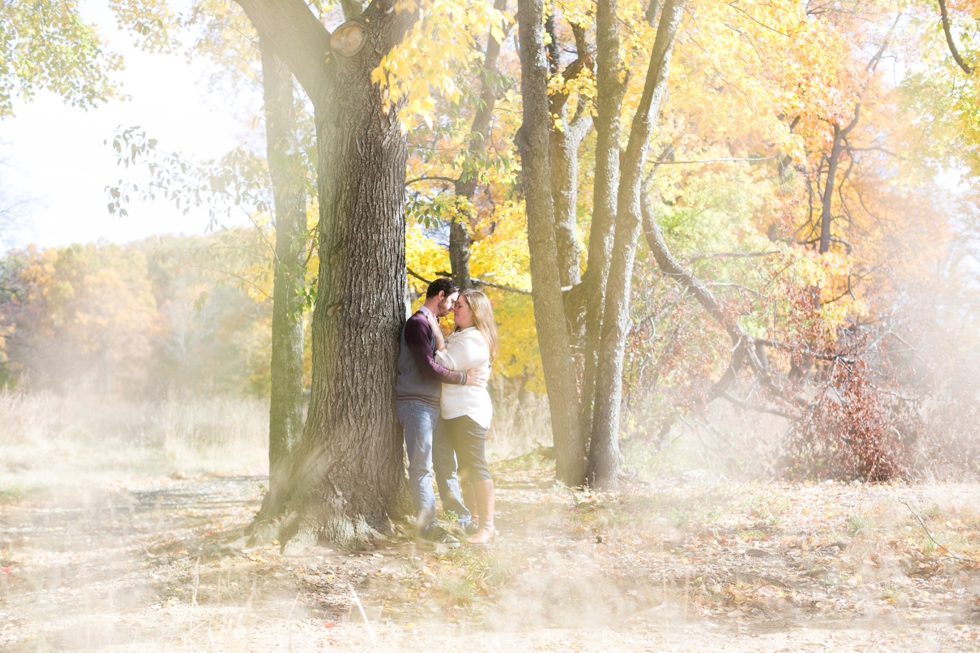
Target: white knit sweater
(465, 350)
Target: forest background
(733, 250)
(808, 192)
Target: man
(417, 390)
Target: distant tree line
(136, 320)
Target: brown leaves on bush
(856, 427)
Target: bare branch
(701, 257)
(448, 180)
(851, 148)
(806, 351)
(759, 409)
(418, 276)
(929, 535)
(490, 284)
(736, 286)
(949, 40)
(476, 281)
(752, 159)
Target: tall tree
(346, 473)
(592, 420)
(610, 89)
(533, 140)
(604, 444)
(286, 168)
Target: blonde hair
(483, 318)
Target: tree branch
(747, 406)
(448, 180)
(787, 347)
(476, 281)
(929, 535)
(736, 286)
(752, 159)
(672, 268)
(701, 257)
(418, 276)
(489, 284)
(949, 40)
(298, 37)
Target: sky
(56, 166)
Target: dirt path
(688, 564)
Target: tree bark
(826, 217)
(565, 141)
(288, 187)
(604, 456)
(299, 38)
(459, 250)
(533, 142)
(609, 100)
(564, 187)
(347, 473)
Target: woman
(466, 410)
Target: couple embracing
(445, 410)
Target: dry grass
(50, 441)
(520, 424)
(217, 434)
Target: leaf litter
(685, 563)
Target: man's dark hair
(441, 284)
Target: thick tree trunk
(533, 141)
(286, 170)
(604, 456)
(347, 473)
(609, 100)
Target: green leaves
(44, 44)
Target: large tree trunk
(347, 473)
(533, 140)
(353, 442)
(286, 170)
(604, 456)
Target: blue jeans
(428, 447)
